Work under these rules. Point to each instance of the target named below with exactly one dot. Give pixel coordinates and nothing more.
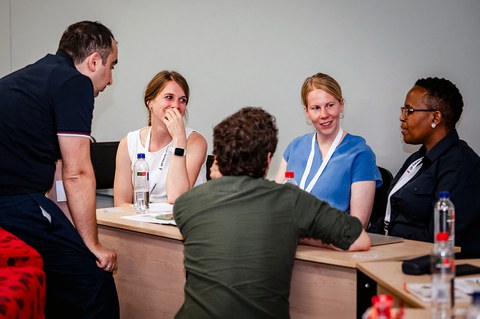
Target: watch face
(179, 151)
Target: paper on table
(468, 285)
(61, 196)
(158, 213)
(156, 218)
(423, 290)
(114, 210)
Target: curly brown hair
(242, 141)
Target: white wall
(4, 37)
(254, 52)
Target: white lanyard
(324, 163)
(407, 175)
(162, 162)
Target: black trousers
(76, 287)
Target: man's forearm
(80, 191)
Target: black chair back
(103, 155)
(381, 196)
(208, 164)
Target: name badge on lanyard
(324, 163)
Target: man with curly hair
(241, 231)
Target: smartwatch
(178, 151)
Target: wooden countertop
(398, 251)
(389, 274)
(106, 217)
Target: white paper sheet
(156, 218)
(158, 213)
(463, 287)
(61, 196)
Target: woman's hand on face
(174, 122)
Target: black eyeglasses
(406, 111)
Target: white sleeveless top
(158, 162)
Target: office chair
(208, 164)
(381, 196)
(103, 155)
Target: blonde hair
(323, 82)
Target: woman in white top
(176, 155)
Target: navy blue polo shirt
(38, 103)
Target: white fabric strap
(147, 140)
(332, 149)
(155, 175)
(407, 175)
(147, 146)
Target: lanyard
(407, 175)
(324, 163)
(162, 162)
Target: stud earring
(434, 125)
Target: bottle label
(141, 173)
(444, 265)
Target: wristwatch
(178, 151)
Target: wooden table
(151, 275)
(391, 280)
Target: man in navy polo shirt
(46, 112)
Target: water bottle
(444, 217)
(473, 311)
(289, 178)
(443, 273)
(141, 191)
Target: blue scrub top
(353, 161)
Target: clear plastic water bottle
(141, 190)
(443, 274)
(473, 311)
(444, 217)
(289, 178)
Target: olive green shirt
(240, 237)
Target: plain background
(258, 53)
